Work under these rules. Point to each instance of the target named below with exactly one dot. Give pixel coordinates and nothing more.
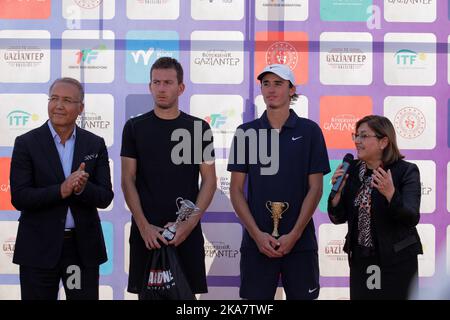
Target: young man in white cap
(278, 243)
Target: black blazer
(36, 177)
(393, 224)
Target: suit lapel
(48, 146)
(78, 151)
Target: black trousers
(395, 281)
(80, 283)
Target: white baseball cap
(281, 70)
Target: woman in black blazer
(380, 200)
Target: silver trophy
(186, 208)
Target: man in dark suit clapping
(59, 177)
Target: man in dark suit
(59, 177)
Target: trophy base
(168, 235)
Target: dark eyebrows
(62, 97)
(165, 81)
(277, 82)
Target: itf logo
(20, 118)
(408, 57)
(20, 113)
(144, 48)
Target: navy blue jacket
(36, 178)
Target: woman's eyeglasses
(362, 136)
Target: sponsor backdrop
(350, 57)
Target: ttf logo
(216, 120)
(88, 55)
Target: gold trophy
(276, 209)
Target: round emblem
(88, 4)
(410, 122)
(282, 53)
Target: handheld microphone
(345, 165)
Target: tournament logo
(410, 122)
(88, 4)
(282, 53)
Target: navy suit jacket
(36, 177)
